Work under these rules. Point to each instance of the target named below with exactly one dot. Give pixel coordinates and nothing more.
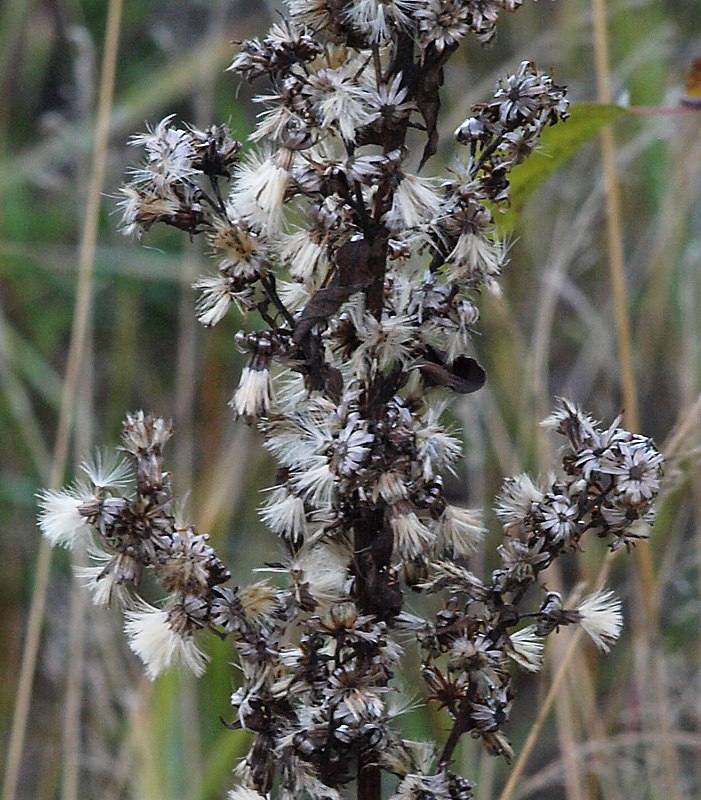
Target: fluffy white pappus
(390, 487)
(60, 519)
(254, 395)
(259, 191)
(325, 569)
(169, 155)
(375, 18)
(452, 336)
(518, 494)
(383, 342)
(341, 102)
(313, 13)
(403, 290)
(415, 785)
(242, 793)
(144, 432)
(527, 648)
(438, 449)
(460, 531)
(273, 122)
(307, 432)
(409, 756)
(412, 539)
(457, 339)
(360, 704)
(294, 296)
(475, 258)
(215, 300)
(141, 207)
(105, 587)
(284, 514)
(259, 602)
(243, 251)
(292, 447)
(316, 483)
(158, 645)
(566, 414)
(290, 390)
(106, 470)
(305, 258)
(307, 782)
(601, 617)
(415, 204)
(255, 678)
(129, 206)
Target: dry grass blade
(613, 224)
(686, 426)
(588, 752)
(568, 744)
(509, 790)
(174, 81)
(68, 400)
(648, 623)
(71, 720)
(226, 481)
(20, 404)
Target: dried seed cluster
(365, 274)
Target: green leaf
(558, 144)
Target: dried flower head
(363, 275)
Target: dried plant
(365, 275)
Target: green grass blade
(558, 145)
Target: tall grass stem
(649, 623)
(79, 332)
(557, 682)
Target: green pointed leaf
(558, 144)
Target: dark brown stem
(377, 264)
(373, 595)
(486, 154)
(458, 729)
(268, 283)
(369, 780)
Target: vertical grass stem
(650, 621)
(79, 331)
(550, 697)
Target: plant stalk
(648, 628)
(68, 400)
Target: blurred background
(625, 726)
